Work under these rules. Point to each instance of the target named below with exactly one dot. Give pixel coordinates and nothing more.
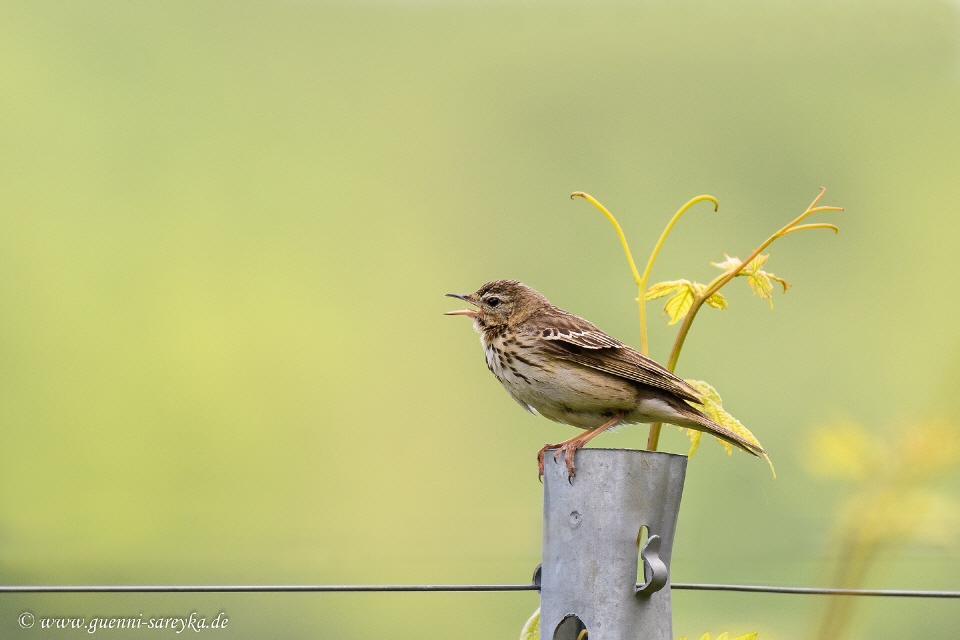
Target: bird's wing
(569, 337)
(586, 338)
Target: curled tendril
(819, 225)
(641, 280)
(653, 256)
(616, 225)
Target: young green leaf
(664, 288)
(695, 437)
(531, 630)
(729, 264)
(712, 405)
(717, 301)
(725, 635)
(757, 278)
(680, 302)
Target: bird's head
(501, 302)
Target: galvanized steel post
(591, 537)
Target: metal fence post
(591, 534)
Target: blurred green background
(226, 229)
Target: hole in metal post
(570, 628)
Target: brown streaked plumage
(564, 368)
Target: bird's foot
(569, 451)
(569, 447)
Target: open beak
(470, 313)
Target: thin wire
(268, 588)
(355, 588)
(817, 591)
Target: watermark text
(192, 622)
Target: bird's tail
(695, 419)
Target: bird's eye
(493, 301)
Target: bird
(560, 366)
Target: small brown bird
(564, 368)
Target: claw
(540, 453)
(571, 454)
(567, 449)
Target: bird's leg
(569, 447)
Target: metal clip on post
(591, 533)
(654, 570)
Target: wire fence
(447, 588)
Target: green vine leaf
(531, 630)
(717, 301)
(758, 279)
(726, 635)
(695, 437)
(684, 293)
(712, 405)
